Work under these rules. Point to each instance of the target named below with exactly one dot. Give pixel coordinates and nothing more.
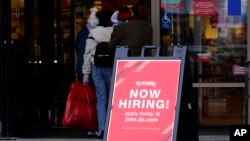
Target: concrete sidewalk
(49, 139)
(201, 138)
(56, 139)
(68, 134)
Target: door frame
(247, 109)
(155, 21)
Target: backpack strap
(91, 38)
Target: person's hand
(85, 79)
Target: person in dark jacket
(82, 35)
(135, 33)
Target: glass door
(4, 69)
(217, 44)
(37, 63)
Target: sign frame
(179, 53)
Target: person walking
(135, 33)
(81, 38)
(101, 75)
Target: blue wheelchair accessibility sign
(166, 20)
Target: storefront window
(215, 34)
(216, 40)
(221, 106)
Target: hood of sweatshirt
(101, 34)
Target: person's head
(140, 11)
(83, 21)
(122, 15)
(104, 17)
(92, 21)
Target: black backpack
(104, 55)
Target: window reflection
(217, 46)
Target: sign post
(146, 98)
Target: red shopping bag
(80, 110)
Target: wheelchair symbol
(165, 19)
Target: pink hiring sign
(204, 7)
(144, 100)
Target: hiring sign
(144, 100)
(204, 7)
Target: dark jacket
(81, 37)
(135, 34)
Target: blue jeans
(102, 81)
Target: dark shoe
(101, 135)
